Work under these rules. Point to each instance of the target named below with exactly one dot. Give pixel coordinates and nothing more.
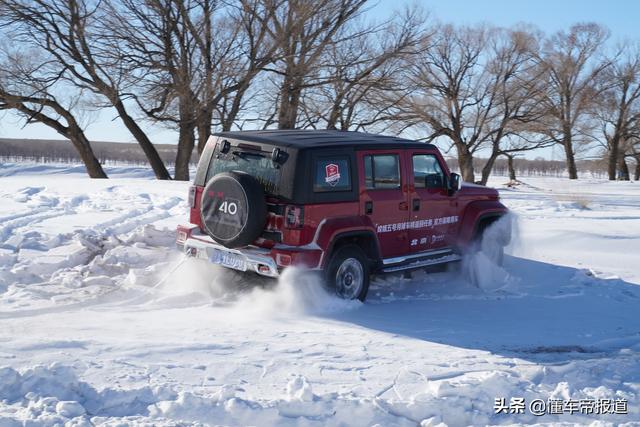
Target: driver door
(434, 213)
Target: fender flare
(474, 214)
(330, 232)
(376, 257)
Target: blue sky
(621, 17)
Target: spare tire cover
(234, 211)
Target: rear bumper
(263, 261)
(253, 259)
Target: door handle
(368, 208)
(416, 204)
(404, 206)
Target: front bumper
(257, 260)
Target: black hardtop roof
(320, 138)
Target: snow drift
(104, 324)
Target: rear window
(332, 174)
(256, 163)
(382, 171)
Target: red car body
(408, 222)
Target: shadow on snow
(547, 312)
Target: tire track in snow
(8, 230)
(133, 219)
(116, 294)
(146, 210)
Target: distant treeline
(60, 151)
(110, 153)
(202, 66)
(543, 167)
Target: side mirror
(455, 183)
(434, 180)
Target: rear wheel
(348, 273)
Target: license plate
(227, 259)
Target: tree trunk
(289, 103)
(571, 158)
(488, 167)
(236, 105)
(612, 164)
(186, 141)
(637, 174)
(83, 147)
(204, 129)
(465, 162)
(334, 115)
(73, 132)
(150, 151)
(512, 169)
(624, 169)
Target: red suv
(348, 204)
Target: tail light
(294, 216)
(181, 237)
(192, 196)
(183, 233)
(283, 260)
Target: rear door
(384, 198)
(434, 213)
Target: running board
(422, 263)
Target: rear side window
(332, 174)
(382, 171)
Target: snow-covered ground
(101, 321)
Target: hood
(477, 191)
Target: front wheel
(348, 273)
(490, 242)
(495, 252)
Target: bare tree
(235, 62)
(26, 87)
(359, 69)
(154, 40)
(515, 90)
(572, 64)
(304, 31)
(190, 73)
(445, 90)
(635, 152)
(618, 107)
(65, 29)
(474, 86)
(48, 111)
(512, 170)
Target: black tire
(453, 267)
(347, 273)
(234, 210)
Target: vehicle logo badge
(332, 174)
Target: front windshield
(257, 164)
